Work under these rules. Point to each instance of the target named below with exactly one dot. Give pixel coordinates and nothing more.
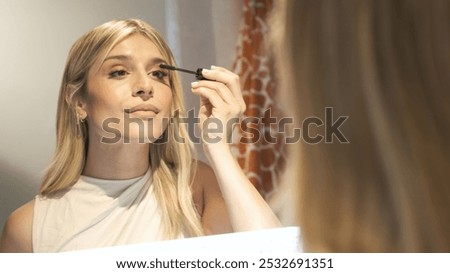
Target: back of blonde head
(171, 161)
(386, 65)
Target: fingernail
(194, 84)
(213, 66)
(206, 71)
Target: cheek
(102, 104)
(99, 109)
(166, 102)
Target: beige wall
(35, 37)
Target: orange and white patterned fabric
(258, 154)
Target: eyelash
(160, 75)
(118, 73)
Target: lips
(143, 107)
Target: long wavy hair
(171, 161)
(386, 65)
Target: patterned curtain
(258, 147)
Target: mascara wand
(198, 73)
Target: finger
(211, 95)
(223, 91)
(228, 78)
(232, 106)
(224, 76)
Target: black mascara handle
(198, 73)
(199, 76)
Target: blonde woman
(123, 171)
(386, 65)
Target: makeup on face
(198, 73)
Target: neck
(116, 161)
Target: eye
(160, 75)
(118, 73)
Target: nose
(143, 87)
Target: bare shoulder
(16, 236)
(201, 173)
(214, 212)
(204, 175)
(204, 182)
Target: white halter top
(97, 213)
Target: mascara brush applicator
(198, 73)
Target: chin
(135, 133)
(141, 137)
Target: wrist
(216, 149)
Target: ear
(75, 101)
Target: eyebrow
(155, 60)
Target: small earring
(77, 120)
(80, 125)
(81, 118)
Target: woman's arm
(221, 104)
(210, 203)
(16, 236)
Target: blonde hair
(171, 161)
(386, 65)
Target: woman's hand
(221, 105)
